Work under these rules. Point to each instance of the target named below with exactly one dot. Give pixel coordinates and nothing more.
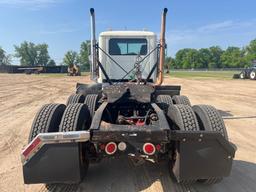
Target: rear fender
(202, 155)
(54, 158)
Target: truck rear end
(127, 113)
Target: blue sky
(64, 24)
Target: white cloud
(216, 26)
(30, 4)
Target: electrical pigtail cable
(156, 48)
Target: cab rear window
(118, 46)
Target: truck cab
(126, 48)
(120, 51)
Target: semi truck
(127, 112)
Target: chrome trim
(52, 138)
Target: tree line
(31, 54)
(213, 57)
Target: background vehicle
(127, 112)
(32, 70)
(74, 70)
(248, 73)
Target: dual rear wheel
(164, 101)
(77, 116)
(199, 117)
(58, 117)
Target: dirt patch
(21, 96)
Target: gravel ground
(22, 95)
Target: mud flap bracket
(54, 158)
(201, 155)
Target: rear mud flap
(202, 155)
(54, 163)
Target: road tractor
(247, 73)
(127, 112)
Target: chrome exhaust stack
(93, 56)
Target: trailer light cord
(156, 48)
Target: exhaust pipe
(160, 76)
(93, 48)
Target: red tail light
(158, 147)
(149, 149)
(32, 146)
(111, 148)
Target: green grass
(225, 75)
(203, 74)
(57, 75)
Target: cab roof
(127, 33)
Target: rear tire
(75, 118)
(91, 101)
(236, 76)
(47, 120)
(242, 75)
(183, 118)
(210, 120)
(164, 101)
(181, 99)
(62, 187)
(253, 75)
(75, 98)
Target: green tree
(43, 57)
(51, 63)
(250, 52)
(187, 59)
(215, 61)
(5, 59)
(233, 57)
(193, 58)
(84, 56)
(71, 58)
(204, 57)
(32, 55)
(181, 59)
(2, 56)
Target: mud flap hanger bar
(53, 138)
